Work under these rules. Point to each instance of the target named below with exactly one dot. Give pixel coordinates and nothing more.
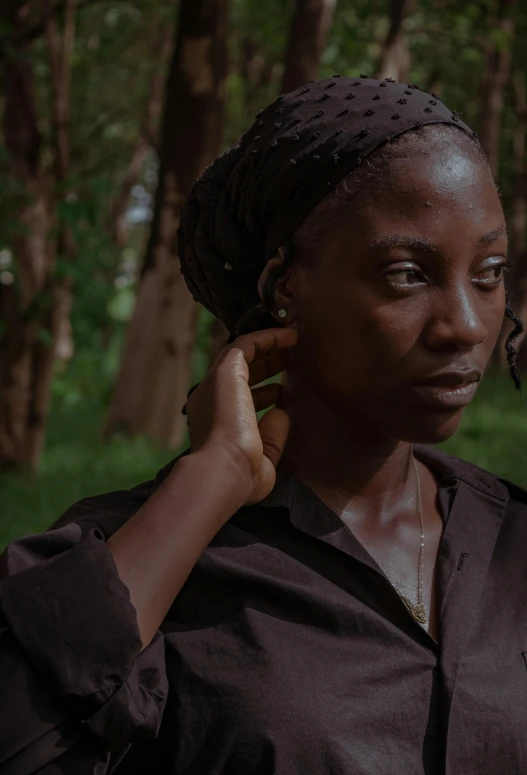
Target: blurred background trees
(111, 108)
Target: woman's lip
(443, 396)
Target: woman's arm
(157, 548)
(82, 670)
(80, 617)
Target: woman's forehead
(438, 187)
(418, 220)
(447, 168)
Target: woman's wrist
(218, 473)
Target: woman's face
(410, 284)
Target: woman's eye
(495, 274)
(413, 275)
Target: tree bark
(60, 52)
(26, 34)
(29, 245)
(56, 302)
(147, 139)
(33, 310)
(495, 78)
(307, 39)
(155, 370)
(395, 56)
(256, 73)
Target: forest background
(111, 108)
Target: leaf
(45, 336)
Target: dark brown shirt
(287, 650)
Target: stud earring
(282, 313)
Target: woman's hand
(222, 410)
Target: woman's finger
(266, 395)
(260, 343)
(265, 368)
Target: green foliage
(493, 430)
(45, 336)
(256, 45)
(121, 306)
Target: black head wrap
(251, 199)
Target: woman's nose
(457, 321)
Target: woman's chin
(433, 429)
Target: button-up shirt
(287, 651)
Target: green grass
(76, 463)
(493, 431)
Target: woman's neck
(345, 461)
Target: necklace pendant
(418, 611)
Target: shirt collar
(447, 469)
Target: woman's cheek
(388, 340)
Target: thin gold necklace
(417, 611)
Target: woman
(322, 591)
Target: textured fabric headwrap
(251, 199)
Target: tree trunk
(256, 73)
(60, 52)
(23, 144)
(495, 77)
(55, 330)
(395, 56)
(33, 310)
(147, 139)
(307, 39)
(155, 370)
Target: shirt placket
(464, 559)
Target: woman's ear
(271, 266)
(283, 297)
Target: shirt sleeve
(77, 690)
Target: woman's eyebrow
(489, 237)
(396, 241)
(424, 245)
